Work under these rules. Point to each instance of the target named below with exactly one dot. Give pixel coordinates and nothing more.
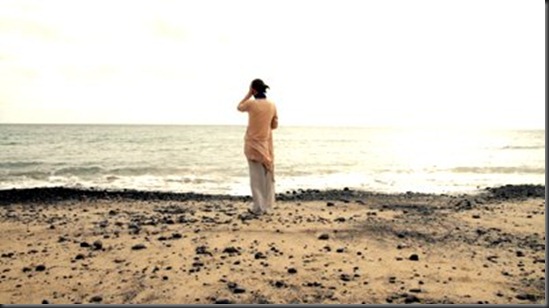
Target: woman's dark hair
(259, 86)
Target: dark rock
(464, 204)
(324, 236)
(526, 296)
(517, 192)
(279, 284)
(96, 299)
(292, 270)
(231, 285)
(176, 236)
(202, 250)
(345, 277)
(520, 253)
(26, 269)
(85, 245)
(230, 250)
(330, 204)
(40, 268)
(414, 257)
(79, 257)
(259, 255)
(476, 216)
(45, 302)
(223, 301)
(410, 298)
(138, 247)
(239, 290)
(340, 250)
(97, 245)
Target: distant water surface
(210, 159)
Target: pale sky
(474, 63)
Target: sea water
(210, 159)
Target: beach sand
(339, 248)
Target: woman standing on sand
(258, 145)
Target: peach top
(262, 119)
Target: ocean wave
(19, 164)
(506, 170)
(79, 170)
(524, 147)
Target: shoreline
(57, 194)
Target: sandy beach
(63, 246)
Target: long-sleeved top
(258, 142)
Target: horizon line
(289, 125)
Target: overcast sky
(435, 63)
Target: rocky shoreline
(57, 194)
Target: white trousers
(262, 185)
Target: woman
(258, 145)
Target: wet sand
(63, 246)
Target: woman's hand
(250, 93)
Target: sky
(452, 63)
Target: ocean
(210, 159)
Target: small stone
(410, 298)
(79, 256)
(330, 204)
(525, 296)
(292, 270)
(230, 250)
(96, 299)
(45, 302)
(223, 301)
(97, 245)
(202, 250)
(239, 290)
(414, 257)
(345, 277)
(324, 236)
(279, 284)
(259, 255)
(138, 247)
(476, 216)
(85, 245)
(40, 268)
